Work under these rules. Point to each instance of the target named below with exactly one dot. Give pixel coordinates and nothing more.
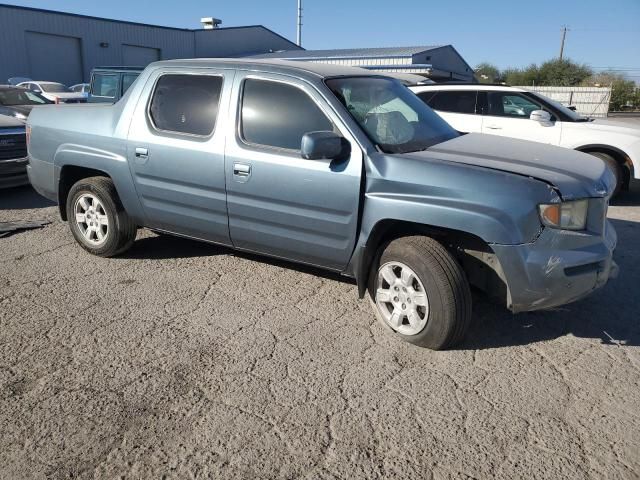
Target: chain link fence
(588, 101)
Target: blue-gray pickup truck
(334, 167)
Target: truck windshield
(392, 116)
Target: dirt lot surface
(183, 360)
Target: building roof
(384, 52)
(140, 24)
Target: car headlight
(566, 215)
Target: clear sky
(603, 33)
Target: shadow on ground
(22, 198)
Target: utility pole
(564, 35)
(299, 36)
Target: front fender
(495, 206)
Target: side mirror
(572, 108)
(324, 145)
(540, 116)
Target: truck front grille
(13, 146)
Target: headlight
(565, 215)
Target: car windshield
(54, 87)
(17, 96)
(392, 116)
(574, 116)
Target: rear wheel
(615, 167)
(97, 219)
(421, 294)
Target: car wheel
(97, 219)
(420, 293)
(615, 167)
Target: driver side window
(507, 104)
(277, 115)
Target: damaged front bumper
(560, 267)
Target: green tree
(487, 73)
(563, 73)
(522, 76)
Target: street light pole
(564, 36)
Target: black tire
(445, 284)
(121, 232)
(615, 167)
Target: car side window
(186, 104)
(275, 114)
(104, 85)
(459, 101)
(508, 104)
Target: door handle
(142, 152)
(494, 127)
(241, 169)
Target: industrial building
(438, 62)
(64, 47)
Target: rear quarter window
(186, 104)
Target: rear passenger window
(461, 101)
(278, 115)
(186, 103)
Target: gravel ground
(184, 360)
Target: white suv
(518, 113)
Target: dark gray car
(17, 102)
(334, 167)
(13, 153)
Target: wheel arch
(69, 175)
(474, 254)
(616, 153)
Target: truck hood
(574, 174)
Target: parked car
(514, 112)
(109, 84)
(334, 167)
(17, 80)
(82, 88)
(17, 102)
(56, 92)
(13, 153)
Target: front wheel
(421, 294)
(97, 219)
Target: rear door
(456, 107)
(279, 203)
(176, 152)
(507, 114)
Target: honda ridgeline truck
(335, 167)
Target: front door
(279, 203)
(176, 152)
(507, 114)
